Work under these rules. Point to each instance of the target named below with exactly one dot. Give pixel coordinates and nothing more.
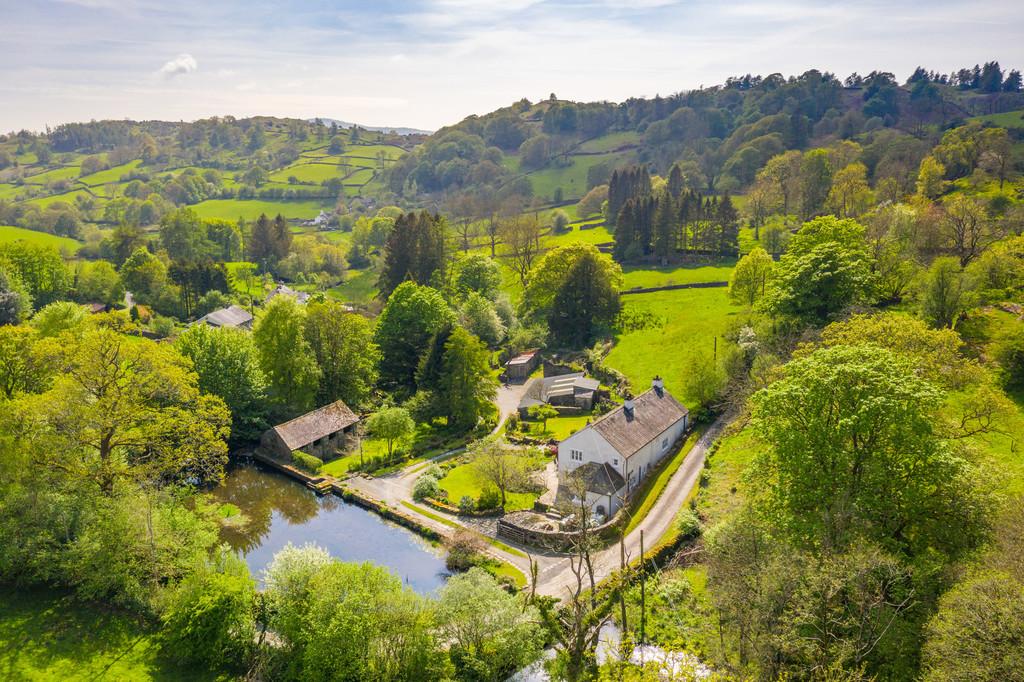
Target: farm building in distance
(232, 316)
(321, 433)
(521, 366)
(614, 454)
(566, 390)
(283, 289)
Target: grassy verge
(48, 636)
(654, 486)
(452, 524)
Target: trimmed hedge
(307, 462)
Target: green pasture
(1007, 119)
(647, 276)
(360, 286)
(691, 319)
(250, 209)
(572, 178)
(610, 142)
(9, 233)
(67, 197)
(111, 174)
(358, 178)
(62, 173)
(308, 172)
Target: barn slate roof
(312, 426)
(232, 316)
(653, 412)
(599, 478)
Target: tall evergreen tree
(587, 299)
(664, 227)
(415, 250)
(727, 219)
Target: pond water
(276, 510)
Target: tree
(968, 228)
(592, 201)
(850, 195)
(262, 248)
(815, 181)
(478, 273)
(208, 619)
(750, 278)
(127, 411)
(1010, 353)
(466, 381)
(411, 317)
(99, 282)
(783, 172)
(542, 413)
(23, 367)
(285, 357)
(343, 345)
(942, 293)
(930, 182)
(520, 236)
(587, 299)
(228, 366)
(855, 451)
(553, 269)
(499, 464)
(145, 276)
(39, 269)
(15, 300)
(480, 318)
(491, 632)
(391, 424)
(183, 235)
(416, 250)
(57, 318)
(816, 284)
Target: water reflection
(276, 510)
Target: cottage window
(576, 455)
(664, 443)
(615, 462)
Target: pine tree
(586, 299)
(261, 242)
(625, 231)
(728, 220)
(676, 181)
(282, 238)
(664, 227)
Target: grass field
(1007, 119)
(558, 428)
(9, 233)
(360, 286)
(610, 142)
(48, 636)
(692, 317)
(463, 480)
(62, 173)
(654, 276)
(572, 179)
(250, 209)
(309, 172)
(590, 235)
(111, 174)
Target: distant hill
(377, 129)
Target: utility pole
(643, 594)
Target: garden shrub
(467, 505)
(307, 462)
(465, 550)
(489, 499)
(426, 486)
(688, 524)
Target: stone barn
(321, 433)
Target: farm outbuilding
(321, 433)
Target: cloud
(182, 64)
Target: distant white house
(322, 220)
(284, 290)
(232, 316)
(614, 454)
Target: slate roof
(599, 478)
(653, 412)
(303, 430)
(285, 290)
(232, 316)
(523, 358)
(540, 390)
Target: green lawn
(360, 286)
(692, 318)
(111, 174)
(644, 277)
(309, 172)
(590, 235)
(9, 233)
(610, 142)
(559, 428)
(48, 636)
(250, 209)
(572, 178)
(1007, 119)
(61, 173)
(341, 466)
(463, 480)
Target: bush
(465, 550)
(467, 505)
(512, 424)
(307, 462)
(426, 486)
(1010, 354)
(162, 326)
(434, 471)
(489, 499)
(688, 524)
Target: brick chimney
(658, 384)
(628, 407)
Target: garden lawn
(250, 209)
(692, 319)
(341, 466)
(463, 480)
(645, 277)
(559, 428)
(9, 233)
(48, 636)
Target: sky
(428, 63)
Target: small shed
(521, 366)
(321, 433)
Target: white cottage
(612, 455)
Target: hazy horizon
(429, 63)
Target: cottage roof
(232, 316)
(629, 430)
(599, 478)
(285, 290)
(303, 430)
(541, 390)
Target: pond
(275, 510)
